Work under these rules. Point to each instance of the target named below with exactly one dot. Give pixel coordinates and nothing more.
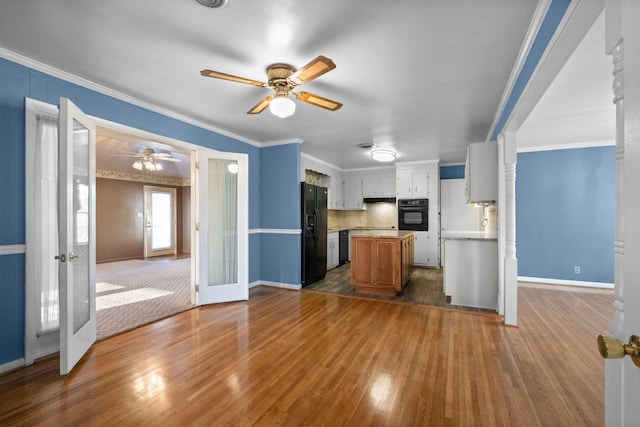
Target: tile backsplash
(383, 215)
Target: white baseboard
(12, 365)
(566, 282)
(275, 285)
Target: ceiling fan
(148, 160)
(283, 78)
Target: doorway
(159, 221)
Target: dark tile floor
(424, 287)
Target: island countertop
(381, 234)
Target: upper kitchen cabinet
(336, 192)
(417, 181)
(382, 184)
(353, 192)
(481, 173)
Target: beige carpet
(135, 292)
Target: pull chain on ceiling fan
(283, 78)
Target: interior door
(76, 204)
(222, 226)
(160, 221)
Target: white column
(614, 368)
(509, 263)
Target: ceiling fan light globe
(282, 107)
(382, 155)
(159, 166)
(138, 165)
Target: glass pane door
(160, 221)
(221, 206)
(77, 235)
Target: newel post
(507, 228)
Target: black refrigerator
(314, 233)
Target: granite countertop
(351, 229)
(381, 233)
(469, 235)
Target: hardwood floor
(310, 358)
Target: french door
(160, 221)
(77, 177)
(222, 229)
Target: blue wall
(452, 172)
(565, 214)
(280, 209)
(281, 165)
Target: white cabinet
(336, 192)
(353, 192)
(426, 249)
(481, 173)
(383, 185)
(333, 250)
(421, 248)
(413, 183)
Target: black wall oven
(413, 214)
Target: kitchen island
(381, 260)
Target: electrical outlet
(576, 269)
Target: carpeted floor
(135, 292)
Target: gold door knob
(612, 348)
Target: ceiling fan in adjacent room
(148, 160)
(283, 78)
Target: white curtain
(223, 223)
(46, 214)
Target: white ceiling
(422, 77)
(577, 108)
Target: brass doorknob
(612, 348)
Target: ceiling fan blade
(168, 159)
(312, 70)
(261, 105)
(133, 153)
(161, 155)
(224, 76)
(318, 101)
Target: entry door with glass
(160, 221)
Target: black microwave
(413, 214)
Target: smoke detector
(214, 4)
(365, 145)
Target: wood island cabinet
(381, 261)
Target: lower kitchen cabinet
(333, 250)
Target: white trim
(565, 282)
(12, 365)
(274, 231)
(569, 146)
(47, 69)
(12, 249)
(282, 142)
(276, 285)
(322, 162)
(534, 28)
(417, 162)
(443, 165)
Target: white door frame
(37, 347)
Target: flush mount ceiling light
(214, 4)
(383, 155)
